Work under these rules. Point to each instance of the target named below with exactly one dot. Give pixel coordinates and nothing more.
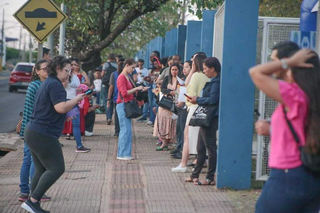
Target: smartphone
(187, 96)
(88, 92)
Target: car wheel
(11, 89)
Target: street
(10, 104)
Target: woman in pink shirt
(291, 187)
(126, 90)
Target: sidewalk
(96, 182)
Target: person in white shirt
(142, 72)
(97, 83)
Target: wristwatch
(284, 64)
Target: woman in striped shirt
(39, 74)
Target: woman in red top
(126, 92)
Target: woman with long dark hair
(44, 129)
(39, 74)
(291, 187)
(165, 126)
(126, 90)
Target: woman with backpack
(291, 187)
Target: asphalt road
(11, 103)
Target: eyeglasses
(44, 69)
(68, 70)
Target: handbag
(309, 160)
(203, 116)
(131, 108)
(18, 127)
(166, 102)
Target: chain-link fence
(271, 31)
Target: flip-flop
(165, 148)
(190, 180)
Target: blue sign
(304, 39)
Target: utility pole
(62, 33)
(50, 41)
(20, 39)
(183, 12)
(2, 40)
(30, 49)
(24, 49)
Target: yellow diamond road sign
(40, 18)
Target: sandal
(165, 148)
(190, 180)
(209, 182)
(68, 137)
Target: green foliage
(280, 8)
(144, 29)
(202, 5)
(12, 53)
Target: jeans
(145, 110)
(76, 130)
(116, 120)
(104, 96)
(290, 191)
(90, 118)
(152, 103)
(48, 161)
(125, 135)
(27, 171)
(98, 98)
(109, 111)
(207, 140)
(181, 124)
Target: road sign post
(40, 18)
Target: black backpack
(107, 74)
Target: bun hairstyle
(36, 67)
(213, 62)
(57, 62)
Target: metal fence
(271, 31)
(218, 33)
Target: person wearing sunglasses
(44, 129)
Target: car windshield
(23, 68)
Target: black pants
(48, 161)
(181, 124)
(116, 119)
(90, 118)
(207, 140)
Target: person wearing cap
(97, 83)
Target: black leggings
(207, 140)
(48, 161)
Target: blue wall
(174, 41)
(237, 94)
(193, 38)
(207, 32)
(182, 35)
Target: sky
(12, 26)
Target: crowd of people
(181, 102)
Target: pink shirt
(284, 152)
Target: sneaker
(150, 123)
(23, 197)
(83, 149)
(109, 121)
(33, 207)
(88, 134)
(179, 169)
(142, 119)
(125, 158)
(45, 198)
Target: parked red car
(20, 76)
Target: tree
(280, 8)
(94, 25)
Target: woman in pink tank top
(291, 187)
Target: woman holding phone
(126, 90)
(44, 129)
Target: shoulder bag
(203, 116)
(310, 161)
(132, 108)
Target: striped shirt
(29, 103)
